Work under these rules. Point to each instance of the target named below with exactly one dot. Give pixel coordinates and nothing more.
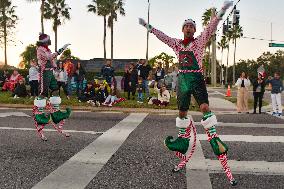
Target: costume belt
(49, 69)
(191, 71)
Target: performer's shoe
(179, 144)
(233, 182)
(218, 146)
(42, 119)
(60, 115)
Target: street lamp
(148, 32)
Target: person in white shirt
(61, 77)
(33, 78)
(243, 84)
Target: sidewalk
(216, 104)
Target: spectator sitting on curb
(20, 89)
(100, 94)
(163, 96)
(4, 77)
(88, 94)
(113, 97)
(13, 80)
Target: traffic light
(225, 28)
(236, 17)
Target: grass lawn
(6, 98)
(250, 101)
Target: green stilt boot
(42, 118)
(58, 115)
(179, 144)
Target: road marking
(197, 175)
(246, 167)
(247, 125)
(79, 170)
(18, 114)
(50, 130)
(245, 138)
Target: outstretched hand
(145, 24)
(63, 48)
(142, 22)
(227, 4)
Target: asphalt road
(141, 161)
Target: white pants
(276, 102)
(111, 99)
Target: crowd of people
(275, 86)
(71, 79)
(136, 81)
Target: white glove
(226, 5)
(145, 24)
(63, 48)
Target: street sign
(276, 45)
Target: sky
(85, 30)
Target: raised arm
(159, 34)
(204, 37)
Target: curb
(101, 109)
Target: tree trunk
(234, 66)
(111, 40)
(5, 36)
(105, 39)
(209, 61)
(41, 17)
(55, 39)
(226, 77)
(221, 69)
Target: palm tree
(101, 8)
(237, 32)
(8, 21)
(114, 7)
(58, 12)
(206, 17)
(222, 45)
(42, 12)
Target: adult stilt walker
(191, 82)
(46, 110)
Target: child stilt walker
(191, 82)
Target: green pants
(49, 82)
(191, 84)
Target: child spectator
(62, 77)
(100, 95)
(20, 90)
(163, 96)
(88, 94)
(140, 90)
(33, 79)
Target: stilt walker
(48, 111)
(191, 82)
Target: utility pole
(213, 63)
(147, 48)
(226, 76)
(236, 18)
